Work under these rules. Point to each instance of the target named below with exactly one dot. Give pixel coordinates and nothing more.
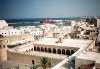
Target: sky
(0, 8)
(16, 9)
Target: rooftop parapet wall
(24, 47)
(28, 54)
(27, 57)
(20, 57)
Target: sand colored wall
(20, 57)
(25, 47)
(27, 58)
(80, 62)
(3, 49)
(91, 46)
(20, 37)
(97, 65)
(63, 33)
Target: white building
(37, 33)
(3, 23)
(31, 30)
(11, 32)
(89, 60)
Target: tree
(17, 67)
(36, 37)
(34, 67)
(44, 62)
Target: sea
(31, 21)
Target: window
(4, 46)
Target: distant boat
(48, 21)
(51, 21)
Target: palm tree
(17, 67)
(34, 67)
(44, 62)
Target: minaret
(3, 49)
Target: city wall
(27, 58)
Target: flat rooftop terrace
(76, 43)
(94, 56)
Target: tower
(3, 49)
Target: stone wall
(3, 49)
(91, 46)
(27, 58)
(97, 65)
(80, 62)
(20, 37)
(63, 33)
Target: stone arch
(45, 49)
(67, 52)
(98, 49)
(3, 46)
(72, 52)
(42, 49)
(78, 37)
(38, 49)
(59, 51)
(49, 50)
(54, 50)
(31, 49)
(35, 48)
(33, 62)
(63, 51)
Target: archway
(59, 51)
(98, 49)
(72, 52)
(32, 61)
(45, 49)
(42, 49)
(38, 49)
(68, 52)
(34, 48)
(54, 50)
(49, 50)
(63, 51)
(31, 49)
